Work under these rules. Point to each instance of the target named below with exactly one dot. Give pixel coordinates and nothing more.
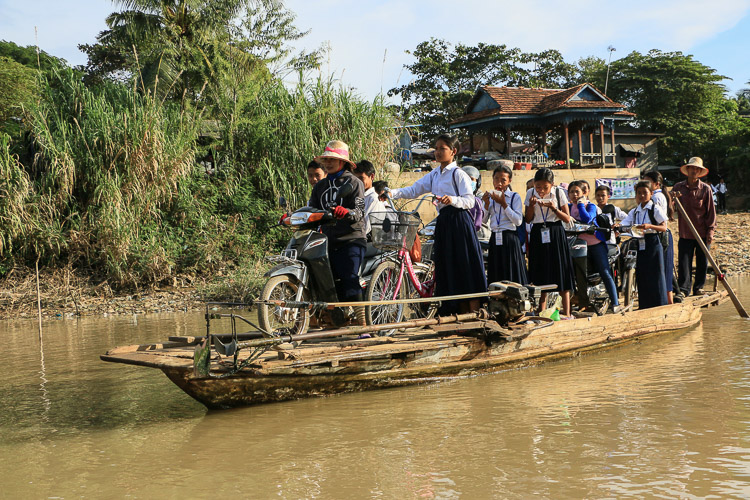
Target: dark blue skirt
(649, 274)
(506, 261)
(550, 263)
(669, 262)
(459, 267)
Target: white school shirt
(372, 204)
(660, 200)
(506, 219)
(721, 188)
(639, 215)
(546, 213)
(440, 183)
(620, 215)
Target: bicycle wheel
(421, 310)
(382, 286)
(273, 318)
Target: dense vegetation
(140, 178)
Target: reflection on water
(664, 417)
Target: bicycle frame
(405, 264)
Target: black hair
(656, 177)
(450, 140)
(544, 174)
(503, 169)
(380, 186)
(644, 183)
(315, 164)
(584, 182)
(578, 184)
(365, 167)
(603, 187)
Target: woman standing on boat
(459, 268)
(663, 200)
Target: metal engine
(515, 300)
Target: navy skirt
(506, 262)
(459, 267)
(550, 263)
(649, 274)
(669, 262)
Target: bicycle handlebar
(431, 197)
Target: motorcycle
(302, 272)
(626, 264)
(595, 290)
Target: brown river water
(665, 417)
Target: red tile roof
(527, 101)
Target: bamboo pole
(719, 275)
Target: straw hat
(695, 161)
(338, 150)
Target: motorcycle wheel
(629, 290)
(272, 318)
(382, 286)
(421, 310)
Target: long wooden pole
(714, 265)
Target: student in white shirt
(365, 171)
(549, 254)
(663, 200)
(459, 267)
(504, 210)
(650, 220)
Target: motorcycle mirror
(282, 202)
(345, 191)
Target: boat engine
(512, 304)
(515, 301)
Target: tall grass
(110, 180)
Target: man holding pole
(697, 199)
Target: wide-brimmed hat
(338, 150)
(695, 161)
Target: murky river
(667, 417)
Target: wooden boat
(455, 346)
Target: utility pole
(606, 82)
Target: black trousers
(721, 202)
(685, 250)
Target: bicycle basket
(393, 230)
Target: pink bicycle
(397, 277)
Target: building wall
(428, 211)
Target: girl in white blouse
(549, 254)
(459, 267)
(504, 211)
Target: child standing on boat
(582, 210)
(663, 200)
(459, 268)
(648, 220)
(504, 210)
(549, 255)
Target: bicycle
(396, 230)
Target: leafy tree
(28, 56)
(675, 94)
(592, 70)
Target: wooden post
(544, 141)
(567, 146)
(471, 144)
(580, 147)
(601, 136)
(507, 142)
(591, 141)
(612, 141)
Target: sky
(368, 39)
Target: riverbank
(70, 293)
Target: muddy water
(668, 417)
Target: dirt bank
(69, 293)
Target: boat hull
(347, 368)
